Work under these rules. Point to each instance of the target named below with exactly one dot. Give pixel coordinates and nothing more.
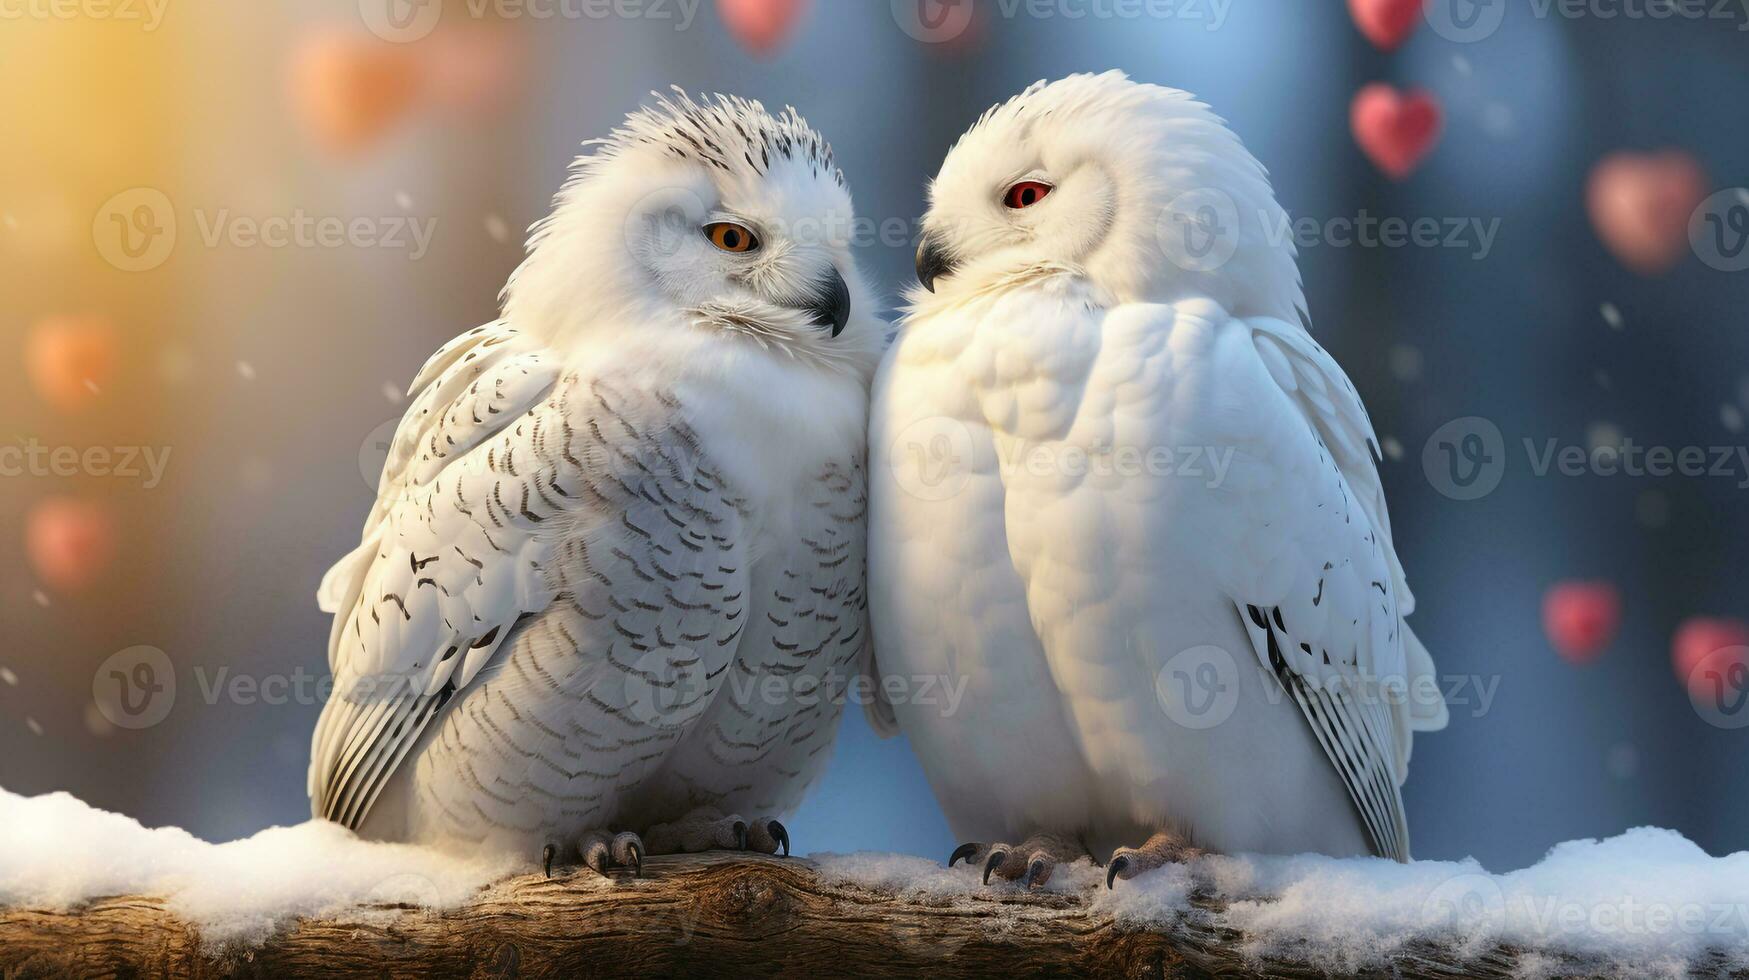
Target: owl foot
(709, 829)
(1031, 863)
(602, 849)
(1164, 847)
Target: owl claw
(963, 851)
(1112, 869)
(778, 833)
(546, 858)
(740, 835)
(637, 860)
(1164, 847)
(997, 856)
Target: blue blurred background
(266, 372)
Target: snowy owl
(611, 592)
(1120, 492)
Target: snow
(56, 852)
(1645, 903)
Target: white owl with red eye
(1120, 493)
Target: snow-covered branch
(88, 893)
(695, 915)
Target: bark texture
(694, 915)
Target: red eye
(1025, 194)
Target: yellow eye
(731, 237)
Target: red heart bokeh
(350, 90)
(1703, 652)
(1395, 130)
(70, 359)
(760, 25)
(1581, 618)
(1640, 204)
(70, 542)
(1386, 23)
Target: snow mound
(56, 852)
(1645, 903)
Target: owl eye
(731, 237)
(1025, 194)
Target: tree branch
(704, 915)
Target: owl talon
(964, 851)
(740, 835)
(1164, 847)
(546, 858)
(997, 856)
(1113, 868)
(778, 833)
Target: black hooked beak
(830, 305)
(933, 261)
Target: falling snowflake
(496, 227)
(1623, 760)
(1393, 449)
(246, 371)
(1732, 417)
(393, 393)
(1653, 509)
(1497, 120)
(8, 677)
(96, 723)
(35, 726)
(1405, 362)
(175, 365)
(1603, 435)
(404, 200)
(1611, 316)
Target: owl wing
(516, 496)
(1303, 549)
